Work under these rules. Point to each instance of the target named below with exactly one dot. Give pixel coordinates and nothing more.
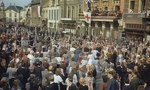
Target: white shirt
(58, 60)
(90, 62)
(94, 52)
(91, 56)
(72, 49)
(84, 62)
(57, 79)
(11, 71)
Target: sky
(21, 3)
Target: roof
(45, 3)
(15, 8)
(35, 2)
(2, 3)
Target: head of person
(110, 74)
(46, 65)
(58, 71)
(51, 78)
(134, 73)
(82, 81)
(105, 78)
(3, 62)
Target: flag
(87, 16)
(38, 11)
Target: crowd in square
(33, 61)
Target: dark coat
(112, 85)
(72, 87)
(38, 71)
(24, 74)
(81, 87)
(128, 87)
(135, 83)
(53, 86)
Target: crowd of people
(31, 61)
(100, 12)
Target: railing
(101, 17)
(105, 13)
(134, 15)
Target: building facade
(69, 15)
(13, 13)
(2, 11)
(33, 14)
(105, 19)
(136, 19)
(53, 15)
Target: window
(68, 12)
(9, 19)
(49, 14)
(52, 15)
(116, 1)
(57, 14)
(62, 12)
(15, 14)
(80, 9)
(15, 20)
(132, 3)
(9, 14)
(73, 12)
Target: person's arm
(61, 81)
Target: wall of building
(12, 16)
(2, 13)
(53, 16)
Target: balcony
(134, 15)
(103, 15)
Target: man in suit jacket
(127, 86)
(135, 80)
(112, 84)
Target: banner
(38, 11)
(87, 16)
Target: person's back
(37, 71)
(83, 87)
(112, 84)
(23, 73)
(72, 87)
(127, 87)
(52, 86)
(135, 81)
